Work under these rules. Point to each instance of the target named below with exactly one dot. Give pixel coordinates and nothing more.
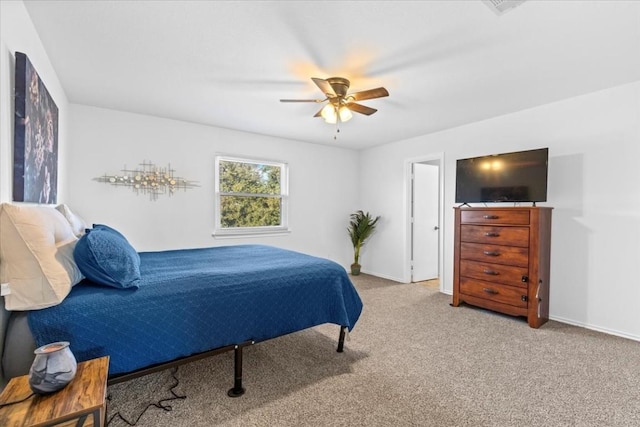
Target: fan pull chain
(335, 137)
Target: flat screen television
(508, 177)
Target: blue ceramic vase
(53, 368)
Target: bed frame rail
(237, 390)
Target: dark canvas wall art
(35, 152)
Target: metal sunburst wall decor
(149, 179)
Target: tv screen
(507, 177)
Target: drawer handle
(492, 253)
(492, 234)
(491, 272)
(491, 217)
(490, 291)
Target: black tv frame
(502, 190)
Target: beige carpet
(412, 360)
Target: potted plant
(361, 226)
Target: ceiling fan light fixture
(341, 104)
(329, 113)
(345, 113)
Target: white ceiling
(444, 63)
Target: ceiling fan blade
(319, 113)
(369, 94)
(359, 108)
(302, 100)
(324, 86)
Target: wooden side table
(83, 396)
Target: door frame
(434, 157)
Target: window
(251, 196)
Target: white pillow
(78, 225)
(36, 256)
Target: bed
(186, 304)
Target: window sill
(236, 234)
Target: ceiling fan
(341, 103)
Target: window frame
(220, 231)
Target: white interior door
(425, 222)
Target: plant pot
(355, 269)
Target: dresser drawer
(495, 254)
(510, 236)
(494, 292)
(494, 216)
(497, 273)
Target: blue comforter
(195, 300)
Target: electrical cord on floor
(2, 405)
(160, 404)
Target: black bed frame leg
(237, 389)
(343, 330)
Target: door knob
(436, 228)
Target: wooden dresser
(501, 260)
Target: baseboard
(382, 276)
(595, 328)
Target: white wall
(323, 182)
(594, 148)
(17, 33)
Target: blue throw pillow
(105, 257)
(109, 229)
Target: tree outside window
(251, 196)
